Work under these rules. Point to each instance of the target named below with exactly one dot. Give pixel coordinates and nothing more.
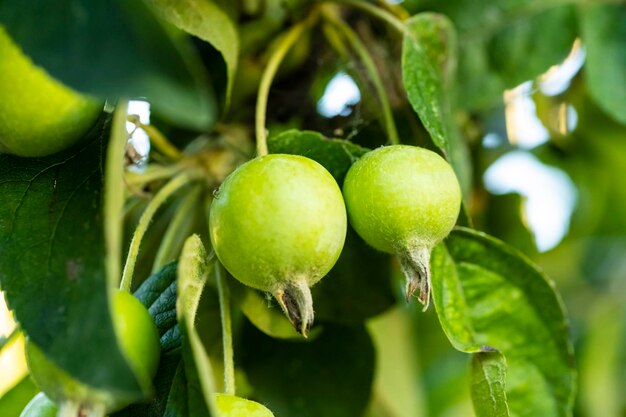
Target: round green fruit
(404, 200)
(139, 338)
(40, 406)
(233, 406)
(278, 224)
(38, 115)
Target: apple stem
(227, 334)
(144, 221)
(284, 45)
(297, 304)
(415, 265)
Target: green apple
(278, 224)
(38, 115)
(233, 406)
(403, 200)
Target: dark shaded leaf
(158, 294)
(604, 36)
(335, 155)
(52, 264)
(358, 287)
(113, 49)
(330, 376)
(488, 296)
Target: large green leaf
(428, 67)
(330, 376)
(113, 49)
(52, 265)
(336, 155)
(206, 20)
(490, 297)
(604, 36)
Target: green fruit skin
(38, 115)
(278, 219)
(40, 406)
(139, 338)
(233, 406)
(401, 197)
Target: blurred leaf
(330, 376)
(13, 401)
(428, 67)
(522, 51)
(193, 272)
(113, 49)
(602, 365)
(158, 294)
(604, 36)
(206, 20)
(396, 387)
(336, 155)
(357, 288)
(52, 265)
(488, 297)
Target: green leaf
(522, 51)
(357, 288)
(13, 401)
(158, 294)
(329, 376)
(52, 268)
(193, 271)
(488, 296)
(602, 365)
(206, 20)
(428, 67)
(488, 384)
(114, 49)
(335, 155)
(604, 35)
(429, 62)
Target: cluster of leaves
(61, 239)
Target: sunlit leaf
(489, 297)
